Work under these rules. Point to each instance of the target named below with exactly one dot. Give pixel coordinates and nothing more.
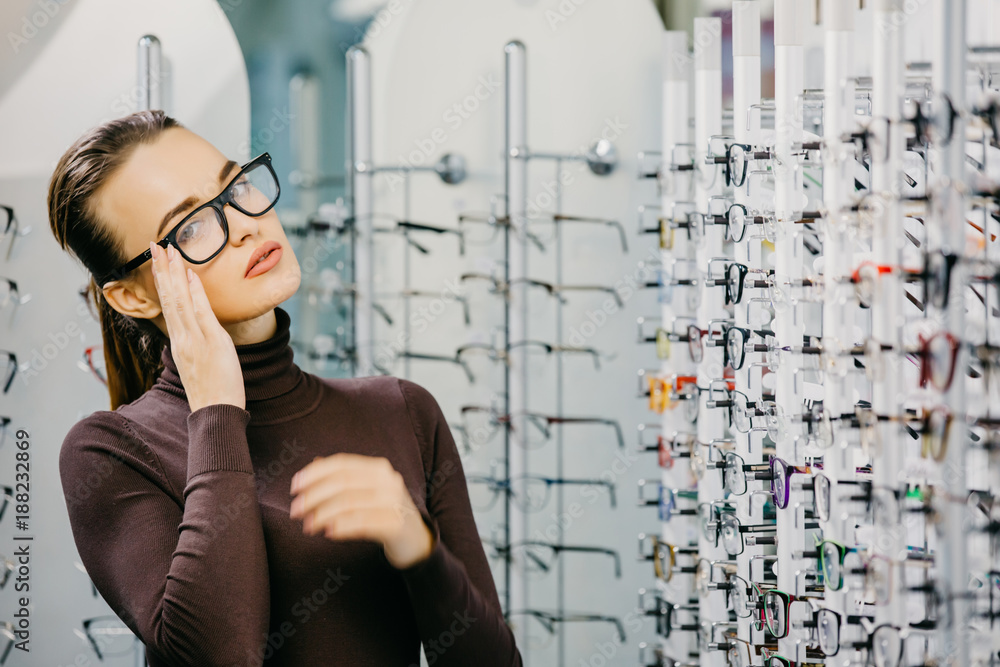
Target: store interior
(708, 291)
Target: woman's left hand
(353, 496)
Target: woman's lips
(273, 255)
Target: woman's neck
(255, 330)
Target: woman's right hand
(202, 349)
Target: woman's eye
(189, 231)
(241, 187)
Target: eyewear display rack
(514, 285)
(601, 159)
(828, 443)
(450, 168)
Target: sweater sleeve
(191, 582)
(452, 591)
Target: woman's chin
(271, 289)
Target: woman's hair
(132, 346)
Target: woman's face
(137, 201)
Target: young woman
(231, 508)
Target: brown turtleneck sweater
(182, 521)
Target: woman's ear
(132, 299)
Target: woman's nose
(240, 224)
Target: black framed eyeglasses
(6, 567)
(9, 227)
(8, 495)
(531, 493)
(736, 163)
(11, 369)
(108, 636)
(7, 220)
(710, 518)
(734, 473)
(735, 340)
(665, 614)
(734, 534)
(539, 556)
(7, 630)
(738, 156)
(549, 619)
(204, 232)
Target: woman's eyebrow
(226, 168)
(192, 200)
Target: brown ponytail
(132, 346)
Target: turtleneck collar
(276, 388)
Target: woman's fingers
(205, 354)
(344, 500)
(316, 495)
(182, 293)
(341, 472)
(201, 306)
(322, 468)
(164, 289)
(360, 524)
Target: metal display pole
(949, 78)
(674, 188)
(746, 94)
(516, 271)
(150, 74)
(450, 168)
(838, 313)
(303, 96)
(149, 64)
(359, 178)
(561, 571)
(709, 183)
(887, 186)
(789, 321)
